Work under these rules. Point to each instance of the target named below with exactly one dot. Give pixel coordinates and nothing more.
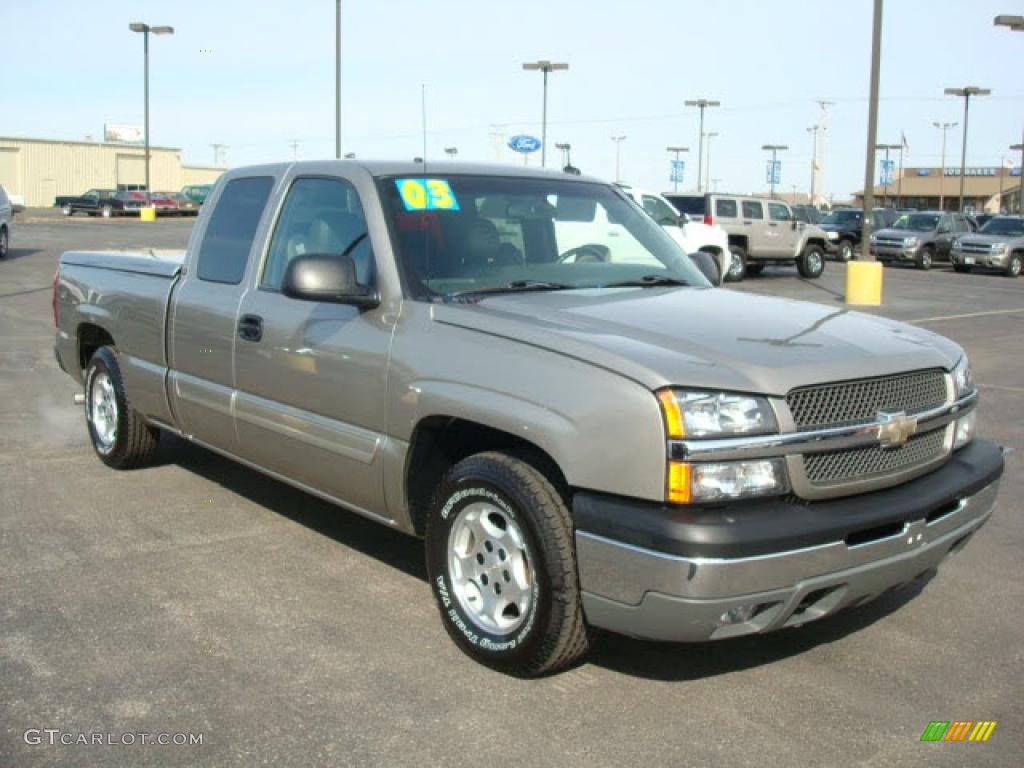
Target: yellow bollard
(864, 283)
(147, 214)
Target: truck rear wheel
(811, 262)
(120, 436)
(502, 566)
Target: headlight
(911, 242)
(714, 414)
(964, 430)
(831, 235)
(963, 378)
(700, 482)
(873, 239)
(957, 246)
(998, 248)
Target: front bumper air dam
(677, 581)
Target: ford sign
(524, 143)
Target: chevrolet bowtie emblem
(894, 429)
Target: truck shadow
(669, 662)
(401, 552)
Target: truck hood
(709, 338)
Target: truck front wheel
(502, 566)
(120, 436)
(811, 262)
(738, 265)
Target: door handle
(773, 224)
(250, 327)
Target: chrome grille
(850, 402)
(873, 460)
(976, 247)
(889, 242)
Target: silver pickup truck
(585, 434)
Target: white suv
(692, 235)
(5, 223)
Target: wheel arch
(91, 337)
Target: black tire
(845, 252)
(926, 258)
(133, 442)
(1013, 267)
(67, 210)
(550, 632)
(811, 262)
(106, 212)
(738, 268)
(4, 242)
(961, 268)
(753, 270)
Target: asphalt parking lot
(200, 597)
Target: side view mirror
(328, 278)
(708, 265)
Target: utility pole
(676, 152)
(966, 92)
(774, 149)
(707, 165)
(701, 104)
(217, 148)
(813, 130)
(337, 80)
(823, 105)
(942, 171)
(618, 146)
(1020, 189)
(294, 144)
(451, 152)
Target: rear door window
(752, 210)
(224, 251)
(725, 209)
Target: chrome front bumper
(653, 595)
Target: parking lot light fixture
(676, 151)
(145, 29)
(701, 104)
(546, 67)
(618, 152)
(942, 170)
(1015, 23)
(966, 92)
(774, 149)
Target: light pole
(618, 146)
(942, 171)
(966, 92)
(145, 29)
(701, 104)
(774, 149)
(676, 151)
(451, 152)
(707, 165)
(813, 130)
(545, 66)
(337, 80)
(885, 172)
(1020, 189)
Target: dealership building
(41, 169)
(986, 189)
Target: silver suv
(764, 231)
(920, 238)
(5, 223)
(998, 245)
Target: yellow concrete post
(864, 283)
(147, 214)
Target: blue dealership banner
(886, 172)
(678, 168)
(773, 172)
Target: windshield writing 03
(499, 234)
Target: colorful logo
(958, 730)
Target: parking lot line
(968, 315)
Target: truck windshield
(999, 226)
(460, 235)
(917, 222)
(843, 218)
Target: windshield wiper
(645, 281)
(516, 286)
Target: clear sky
(255, 75)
